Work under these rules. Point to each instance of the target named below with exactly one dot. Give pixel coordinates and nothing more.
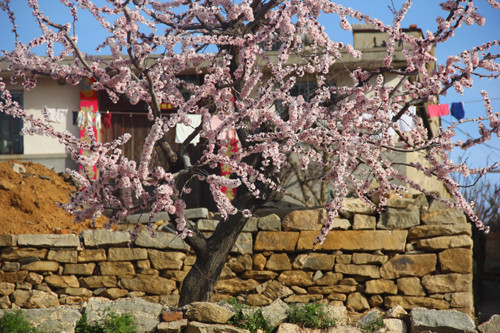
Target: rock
(145, 314)
(62, 281)
(179, 276)
(103, 238)
(78, 292)
(244, 244)
(314, 261)
(275, 313)
(94, 282)
(357, 302)
(270, 222)
(127, 254)
(171, 315)
(366, 258)
(197, 327)
(48, 240)
(356, 206)
(375, 301)
(337, 297)
(336, 313)
(145, 218)
(369, 318)
(8, 240)
(163, 240)
(343, 258)
(258, 300)
(329, 278)
(207, 225)
(410, 286)
(427, 231)
(172, 326)
(41, 266)
(42, 299)
(456, 261)
(278, 262)
(276, 241)
(394, 326)
(251, 225)
(445, 242)
(208, 313)
(446, 283)
(116, 268)
(51, 320)
(114, 293)
(63, 256)
(18, 168)
(235, 286)
(296, 278)
(259, 275)
(303, 298)
(241, 263)
(332, 289)
(371, 271)
(410, 302)
(79, 269)
(364, 222)
(149, 284)
(381, 287)
(196, 213)
(396, 312)
(13, 276)
(5, 302)
(88, 255)
(275, 290)
(462, 300)
(439, 213)
(409, 265)
(423, 320)
(6, 185)
(393, 218)
(355, 240)
(341, 224)
(7, 288)
(491, 326)
(307, 219)
(260, 261)
(13, 254)
(166, 259)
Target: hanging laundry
(183, 131)
(457, 110)
(436, 110)
(406, 123)
(107, 120)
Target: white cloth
(406, 123)
(56, 115)
(182, 131)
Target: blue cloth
(457, 110)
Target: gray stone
(491, 326)
(207, 224)
(362, 221)
(394, 218)
(243, 244)
(144, 218)
(18, 168)
(275, 313)
(162, 240)
(392, 325)
(341, 224)
(269, 223)
(440, 321)
(11, 266)
(197, 327)
(337, 313)
(8, 240)
(172, 326)
(42, 299)
(314, 261)
(146, 314)
(166, 259)
(48, 240)
(59, 319)
(369, 318)
(196, 213)
(251, 225)
(208, 313)
(103, 237)
(356, 206)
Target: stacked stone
(412, 254)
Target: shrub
(310, 315)
(15, 322)
(251, 321)
(113, 323)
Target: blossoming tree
(250, 54)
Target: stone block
(366, 258)
(270, 222)
(208, 313)
(425, 320)
(63, 256)
(364, 222)
(381, 286)
(439, 213)
(14, 253)
(166, 259)
(243, 244)
(207, 224)
(127, 254)
(314, 261)
(411, 302)
(275, 313)
(235, 286)
(357, 302)
(371, 271)
(260, 261)
(355, 240)
(41, 266)
(462, 300)
(331, 289)
(445, 242)
(116, 268)
(50, 240)
(163, 240)
(62, 281)
(447, 283)
(343, 258)
(276, 241)
(42, 299)
(72, 291)
(92, 255)
(427, 231)
(490, 326)
(275, 290)
(258, 300)
(410, 286)
(296, 278)
(11, 266)
(251, 224)
(8, 240)
(341, 224)
(393, 218)
(7, 288)
(177, 276)
(196, 213)
(240, 264)
(352, 206)
(456, 261)
(303, 298)
(307, 219)
(409, 265)
(259, 275)
(94, 282)
(149, 284)
(79, 269)
(13, 277)
(104, 237)
(329, 278)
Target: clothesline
(480, 100)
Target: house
(65, 106)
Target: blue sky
(422, 13)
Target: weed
(251, 321)
(15, 322)
(310, 315)
(113, 323)
(374, 326)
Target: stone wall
(413, 254)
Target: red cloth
(107, 120)
(438, 110)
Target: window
(11, 141)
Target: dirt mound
(28, 201)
